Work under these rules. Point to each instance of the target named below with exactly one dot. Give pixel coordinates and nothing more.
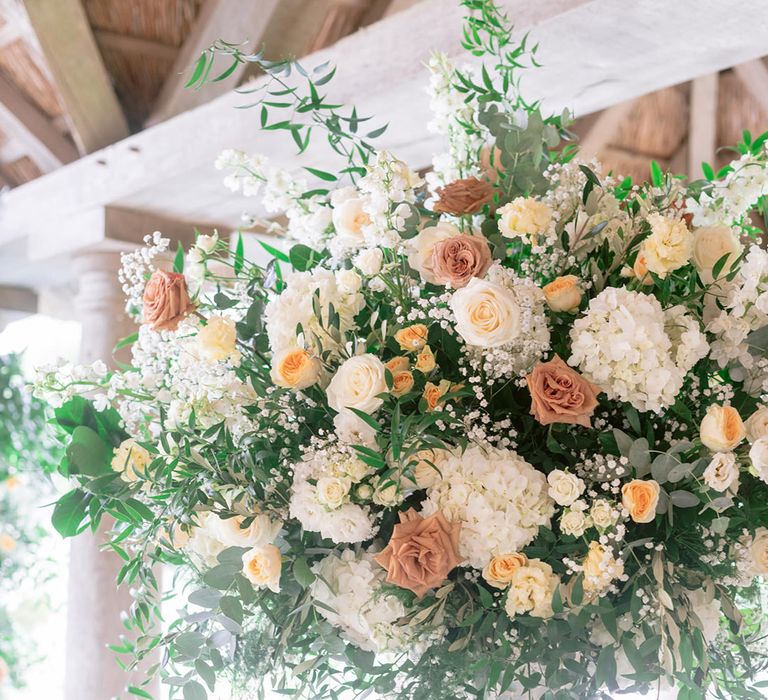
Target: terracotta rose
(421, 552)
(166, 300)
(559, 394)
(467, 196)
(458, 259)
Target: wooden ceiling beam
(38, 137)
(754, 77)
(135, 45)
(702, 132)
(231, 20)
(605, 128)
(67, 42)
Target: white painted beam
(596, 53)
(24, 123)
(230, 20)
(702, 132)
(65, 36)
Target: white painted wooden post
(94, 603)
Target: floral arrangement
(26, 445)
(499, 433)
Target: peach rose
(425, 360)
(397, 364)
(640, 270)
(434, 392)
(563, 293)
(559, 394)
(166, 300)
(295, 369)
(421, 552)
(457, 260)
(721, 428)
(466, 196)
(402, 383)
(500, 569)
(412, 338)
(640, 498)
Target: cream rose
(422, 246)
(574, 522)
(758, 548)
(260, 531)
(640, 498)
(499, 571)
(600, 568)
(427, 467)
(217, 339)
(710, 244)
(564, 488)
(669, 246)
(262, 567)
(369, 261)
(603, 514)
(357, 384)
(295, 368)
(722, 428)
(487, 314)
(332, 491)
(387, 495)
(531, 590)
(524, 216)
(131, 460)
(350, 219)
(758, 455)
(757, 424)
(349, 281)
(722, 473)
(207, 244)
(563, 293)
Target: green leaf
(322, 174)
(125, 342)
(232, 608)
(221, 576)
(178, 260)
(657, 177)
(87, 453)
(274, 252)
(194, 691)
(370, 420)
(197, 72)
(303, 258)
(70, 511)
(302, 573)
(239, 255)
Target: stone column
(94, 603)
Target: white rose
(131, 460)
(574, 522)
(721, 428)
(217, 339)
(356, 469)
(262, 566)
(357, 384)
(364, 492)
(332, 491)
(564, 488)
(207, 244)
(229, 531)
(603, 514)
(758, 455)
(349, 219)
(487, 314)
(711, 243)
(722, 473)
(420, 248)
(759, 550)
(352, 430)
(349, 281)
(387, 495)
(369, 261)
(757, 424)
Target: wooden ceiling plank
(231, 20)
(65, 36)
(754, 77)
(605, 128)
(135, 45)
(38, 137)
(702, 132)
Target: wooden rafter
(702, 133)
(22, 121)
(73, 57)
(605, 128)
(135, 45)
(754, 77)
(231, 20)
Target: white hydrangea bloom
(348, 586)
(500, 500)
(627, 345)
